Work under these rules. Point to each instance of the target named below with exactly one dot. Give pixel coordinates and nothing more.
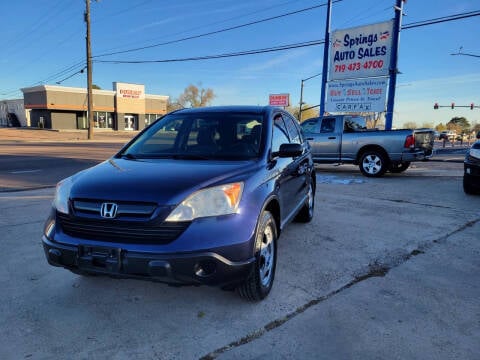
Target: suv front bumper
(208, 268)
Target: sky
(44, 43)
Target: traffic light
(435, 106)
(453, 105)
(472, 105)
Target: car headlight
(475, 153)
(213, 201)
(62, 194)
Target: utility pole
(393, 64)
(326, 48)
(89, 74)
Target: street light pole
(89, 74)
(301, 102)
(301, 94)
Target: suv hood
(163, 181)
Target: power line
(214, 23)
(247, 52)
(219, 56)
(283, 47)
(441, 19)
(214, 32)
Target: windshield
(215, 135)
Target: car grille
(130, 232)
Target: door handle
(310, 138)
(332, 137)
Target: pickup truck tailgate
(424, 140)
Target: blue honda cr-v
(199, 197)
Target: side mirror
(289, 150)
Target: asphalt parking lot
(388, 268)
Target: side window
(279, 133)
(328, 125)
(292, 128)
(310, 126)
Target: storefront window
(103, 119)
(150, 118)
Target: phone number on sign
(356, 66)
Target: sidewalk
(45, 135)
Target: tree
(193, 96)
(374, 120)
(96, 87)
(306, 114)
(173, 105)
(440, 127)
(459, 124)
(427, 125)
(410, 125)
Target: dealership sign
(279, 100)
(357, 95)
(129, 91)
(362, 51)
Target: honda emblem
(108, 210)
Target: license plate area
(100, 258)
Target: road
(388, 268)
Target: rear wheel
(373, 163)
(259, 283)
(399, 167)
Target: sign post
(393, 65)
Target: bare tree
(306, 114)
(194, 96)
(410, 125)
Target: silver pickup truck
(346, 139)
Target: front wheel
(467, 187)
(373, 164)
(259, 283)
(399, 167)
(305, 215)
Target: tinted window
(292, 128)
(354, 123)
(310, 126)
(279, 133)
(328, 125)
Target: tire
(399, 167)
(259, 283)
(305, 215)
(373, 164)
(467, 187)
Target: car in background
(199, 197)
(448, 135)
(471, 173)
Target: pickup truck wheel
(399, 167)
(373, 164)
(259, 283)
(306, 213)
